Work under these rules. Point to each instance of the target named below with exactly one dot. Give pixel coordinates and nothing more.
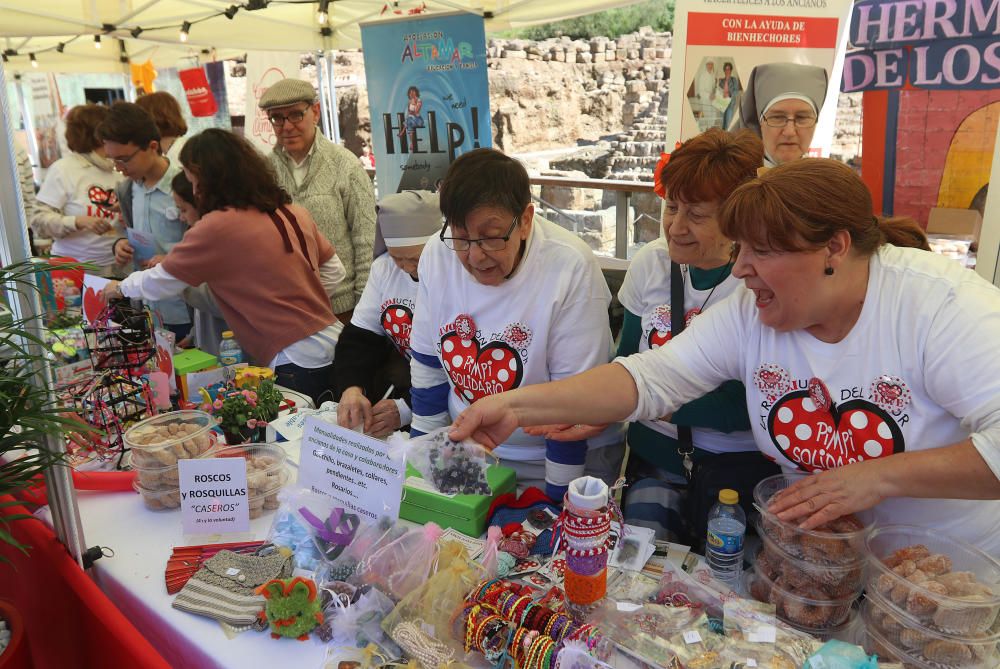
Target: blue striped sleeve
(429, 394)
(564, 461)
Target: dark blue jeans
(315, 383)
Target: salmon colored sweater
(264, 275)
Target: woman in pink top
(266, 263)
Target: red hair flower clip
(659, 187)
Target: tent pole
(29, 126)
(334, 115)
(324, 102)
(14, 248)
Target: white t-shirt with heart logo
(546, 322)
(918, 370)
(646, 293)
(387, 303)
(77, 187)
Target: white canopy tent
(151, 29)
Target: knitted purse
(223, 589)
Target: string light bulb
(322, 17)
(97, 41)
(34, 61)
(136, 32)
(185, 28)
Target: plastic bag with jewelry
(369, 657)
(696, 587)
(370, 536)
(356, 622)
(645, 629)
(402, 565)
(635, 587)
(435, 602)
(755, 624)
(449, 467)
(289, 529)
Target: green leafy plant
(245, 411)
(29, 414)
(658, 14)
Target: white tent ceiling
(36, 26)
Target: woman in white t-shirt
(379, 332)
(507, 300)
(871, 365)
(78, 202)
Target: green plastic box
(465, 513)
(193, 360)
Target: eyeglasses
(278, 120)
(122, 161)
(780, 120)
(485, 243)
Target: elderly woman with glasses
(781, 104)
(508, 300)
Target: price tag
(763, 634)
(232, 571)
(751, 662)
(628, 607)
(692, 636)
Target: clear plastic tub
(159, 500)
(161, 478)
(263, 499)
(950, 586)
(835, 580)
(266, 470)
(162, 440)
(922, 647)
(843, 544)
(804, 608)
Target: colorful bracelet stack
(586, 531)
(503, 623)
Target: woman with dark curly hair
(269, 268)
(77, 199)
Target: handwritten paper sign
(214, 495)
(352, 468)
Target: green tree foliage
(658, 14)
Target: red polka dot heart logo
(659, 327)
(397, 321)
(103, 199)
(817, 434)
(478, 370)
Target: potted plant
(244, 412)
(28, 416)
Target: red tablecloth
(69, 621)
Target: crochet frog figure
(292, 607)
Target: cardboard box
(465, 513)
(947, 221)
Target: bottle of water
(230, 352)
(727, 525)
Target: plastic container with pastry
(805, 607)
(916, 645)
(162, 440)
(838, 581)
(839, 542)
(937, 581)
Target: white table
(134, 580)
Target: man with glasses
(326, 179)
(507, 299)
(132, 142)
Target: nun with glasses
(372, 376)
(781, 103)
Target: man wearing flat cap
(326, 179)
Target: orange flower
(659, 187)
